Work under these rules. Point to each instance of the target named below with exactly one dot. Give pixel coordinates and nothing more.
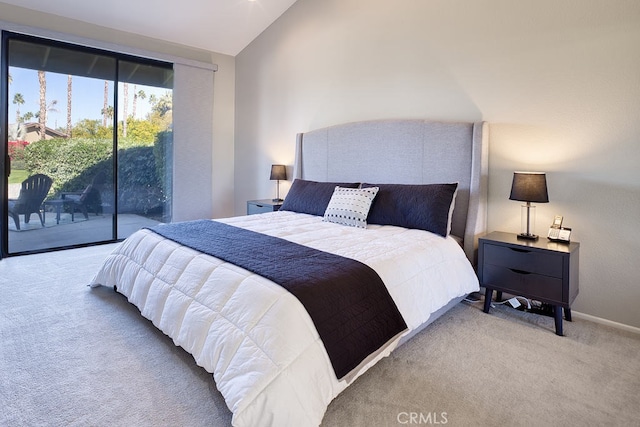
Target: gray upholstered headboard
(406, 152)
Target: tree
(50, 108)
(107, 113)
(161, 105)
(16, 132)
(124, 108)
(105, 105)
(86, 128)
(161, 110)
(137, 94)
(42, 117)
(69, 88)
(18, 100)
(141, 132)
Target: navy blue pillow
(311, 197)
(425, 207)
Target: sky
(87, 97)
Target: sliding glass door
(145, 145)
(87, 144)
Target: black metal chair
(32, 193)
(89, 198)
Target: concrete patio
(97, 228)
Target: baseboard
(602, 321)
(579, 315)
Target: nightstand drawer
(532, 261)
(256, 209)
(262, 206)
(523, 283)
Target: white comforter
(257, 339)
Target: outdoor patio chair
(88, 199)
(32, 193)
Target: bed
(268, 354)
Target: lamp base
(277, 200)
(526, 236)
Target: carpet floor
(75, 356)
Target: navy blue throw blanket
(347, 301)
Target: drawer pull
(519, 271)
(260, 206)
(520, 250)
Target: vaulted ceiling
(223, 26)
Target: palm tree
(49, 108)
(124, 108)
(107, 113)
(18, 100)
(161, 105)
(135, 100)
(69, 87)
(137, 94)
(105, 106)
(42, 118)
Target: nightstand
(262, 206)
(541, 270)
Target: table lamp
(278, 172)
(529, 187)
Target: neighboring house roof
(32, 132)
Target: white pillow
(350, 206)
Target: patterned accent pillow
(350, 206)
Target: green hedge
(67, 161)
(140, 190)
(163, 153)
(72, 164)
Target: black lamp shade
(278, 172)
(529, 187)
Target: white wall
(559, 82)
